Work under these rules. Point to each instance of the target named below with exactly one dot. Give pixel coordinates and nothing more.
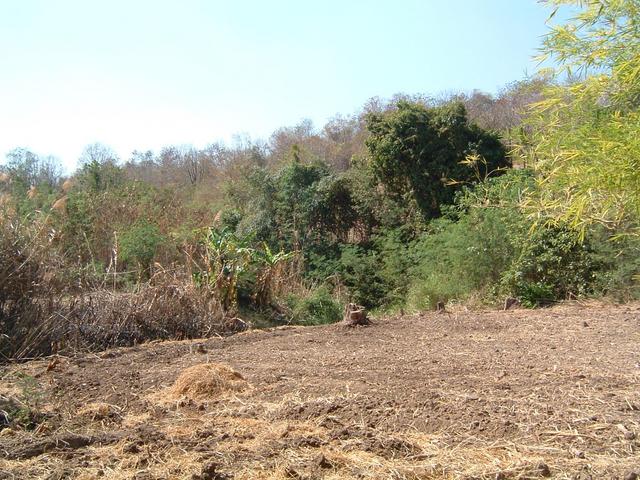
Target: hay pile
(99, 411)
(207, 381)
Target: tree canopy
(423, 152)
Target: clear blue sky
(140, 74)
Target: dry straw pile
(207, 381)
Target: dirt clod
(236, 325)
(69, 441)
(5, 420)
(210, 472)
(543, 469)
(321, 461)
(131, 447)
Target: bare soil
(476, 395)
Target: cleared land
(499, 395)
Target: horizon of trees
(336, 142)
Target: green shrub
(317, 308)
(618, 274)
(487, 247)
(139, 244)
(360, 270)
(552, 265)
(458, 259)
(230, 219)
(376, 273)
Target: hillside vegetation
(533, 193)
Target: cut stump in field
(511, 302)
(355, 315)
(235, 325)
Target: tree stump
(235, 325)
(511, 302)
(355, 315)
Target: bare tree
(99, 154)
(29, 169)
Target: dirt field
(498, 395)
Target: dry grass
(206, 381)
(169, 308)
(276, 450)
(99, 411)
(49, 306)
(38, 320)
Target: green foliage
(422, 151)
(225, 257)
(98, 176)
(230, 219)
(488, 249)
(296, 185)
(585, 135)
(376, 273)
(457, 259)
(277, 205)
(93, 221)
(360, 271)
(618, 265)
(317, 308)
(552, 264)
(231, 265)
(139, 243)
(466, 252)
(332, 208)
(25, 413)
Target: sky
(142, 74)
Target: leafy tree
(420, 150)
(96, 177)
(295, 184)
(332, 207)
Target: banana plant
(226, 255)
(271, 263)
